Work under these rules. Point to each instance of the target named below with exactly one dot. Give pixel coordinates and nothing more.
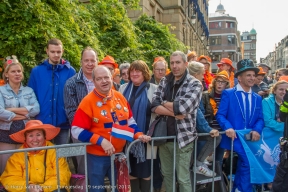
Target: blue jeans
(98, 168)
(63, 137)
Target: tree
(156, 39)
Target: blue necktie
(247, 109)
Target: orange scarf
(208, 77)
(213, 105)
(231, 79)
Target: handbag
(77, 183)
(123, 180)
(158, 128)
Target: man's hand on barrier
(255, 136)
(144, 138)
(107, 147)
(231, 133)
(180, 117)
(214, 133)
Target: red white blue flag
(122, 132)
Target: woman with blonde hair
(271, 106)
(17, 105)
(196, 69)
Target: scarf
(231, 79)
(139, 114)
(208, 77)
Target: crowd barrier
(66, 150)
(193, 181)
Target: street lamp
(208, 46)
(193, 19)
(202, 36)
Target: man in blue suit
(240, 108)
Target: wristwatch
(163, 102)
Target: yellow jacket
(14, 176)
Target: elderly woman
(41, 164)
(17, 105)
(124, 73)
(196, 69)
(138, 93)
(211, 100)
(208, 76)
(159, 70)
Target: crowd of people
(103, 96)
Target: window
(246, 57)
(214, 25)
(247, 46)
(244, 37)
(246, 53)
(253, 37)
(230, 25)
(215, 40)
(253, 46)
(231, 39)
(216, 57)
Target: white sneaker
(236, 190)
(207, 162)
(204, 170)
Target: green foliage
(26, 26)
(156, 39)
(114, 29)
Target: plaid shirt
(186, 102)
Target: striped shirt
(89, 84)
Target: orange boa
(231, 79)
(213, 105)
(208, 77)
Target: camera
(248, 136)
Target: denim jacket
(8, 99)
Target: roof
(253, 32)
(220, 8)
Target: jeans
(183, 157)
(62, 137)
(208, 147)
(98, 168)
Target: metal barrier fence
(194, 183)
(66, 150)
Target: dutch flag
(122, 132)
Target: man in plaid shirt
(177, 97)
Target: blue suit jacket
(231, 114)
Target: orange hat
(222, 74)
(226, 61)
(117, 72)
(208, 59)
(283, 78)
(50, 131)
(108, 60)
(261, 72)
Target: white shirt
(239, 88)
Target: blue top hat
(246, 65)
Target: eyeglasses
(221, 82)
(160, 70)
(122, 74)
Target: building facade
(279, 57)
(188, 20)
(224, 39)
(248, 41)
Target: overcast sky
(268, 17)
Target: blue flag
(263, 155)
